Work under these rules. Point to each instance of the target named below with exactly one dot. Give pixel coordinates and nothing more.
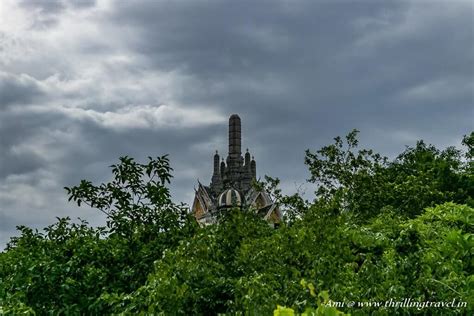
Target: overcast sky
(85, 82)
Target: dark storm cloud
(331, 59)
(146, 78)
(43, 6)
(82, 3)
(22, 131)
(222, 39)
(45, 13)
(54, 7)
(302, 72)
(17, 89)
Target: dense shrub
(377, 231)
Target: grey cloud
(298, 73)
(19, 163)
(44, 6)
(46, 13)
(17, 89)
(322, 62)
(82, 3)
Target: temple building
(231, 184)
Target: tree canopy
(378, 231)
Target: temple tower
(235, 137)
(231, 183)
(236, 174)
(216, 180)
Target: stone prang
(231, 184)
(237, 172)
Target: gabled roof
(202, 194)
(252, 196)
(273, 208)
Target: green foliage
(136, 197)
(57, 270)
(345, 176)
(68, 267)
(323, 309)
(198, 278)
(378, 230)
(243, 265)
(293, 206)
(364, 182)
(468, 141)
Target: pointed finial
(216, 152)
(252, 158)
(247, 150)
